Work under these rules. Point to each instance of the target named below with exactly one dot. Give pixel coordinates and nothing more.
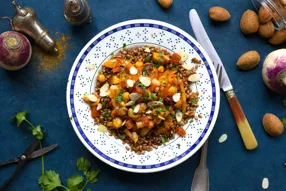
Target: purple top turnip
(274, 71)
(15, 50)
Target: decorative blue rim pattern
(72, 106)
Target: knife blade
(246, 133)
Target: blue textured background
(231, 167)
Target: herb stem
(84, 185)
(29, 123)
(43, 162)
(64, 187)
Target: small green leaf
(91, 176)
(284, 102)
(37, 132)
(179, 146)
(20, 117)
(83, 164)
(284, 121)
(163, 140)
(74, 181)
(147, 59)
(124, 45)
(89, 189)
(50, 180)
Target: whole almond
(263, 15)
(266, 30)
(272, 124)
(165, 3)
(248, 60)
(219, 14)
(249, 23)
(278, 38)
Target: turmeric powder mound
(50, 61)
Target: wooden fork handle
(246, 133)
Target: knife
(225, 84)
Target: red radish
(274, 71)
(15, 50)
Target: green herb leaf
(147, 59)
(74, 181)
(50, 180)
(153, 96)
(83, 164)
(124, 45)
(191, 121)
(91, 176)
(20, 117)
(163, 140)
(161, 99)
(121, 136)
(284, 121)
(106, 114)
(156, 65)
(89, 189)
(179, 146)
(37, 132)
(193, 101)
(284, 102)
(161, 109)
(119, 98)
(112, 54)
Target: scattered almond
(147, 50)
(187, 67)
(272, 124)
(99, 106)
(263, 15)
(165, 3)
(194, 78)
(104, 94)
(135, 96)
(278, 38)
(133, 70)
(102, 129)
(249, 23)
(184, 56)
(104, 88)
(265, 183)
(91, 66)
(219, 14)
(130, 103)
(179, 116)
(266, 30)
(222, 138)
(248, 60)
(130, 83)
(154, 103)
(136, 108)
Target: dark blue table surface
(231, 167)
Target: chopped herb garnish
(174, 68)
(147, 59)
(119, 98)
(193, 101)
(112, 54)
(133, 106)
(103, 104)
(284, 121)
(170, 66)
(141, 86)
(70, 117)
(284, 102)
(145, 72)
(179, 146)
(124, 45)
(146, 96)
(161, 99)
(153, 96)
(191, 121)
(121, 136)
(106, 114)
(161, 109)
(163, 140)
(156, 65)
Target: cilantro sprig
(51, 181)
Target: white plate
(82, 81)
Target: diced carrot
(116, 69)
(178, 105)
(111, 63)
(175, 58)
(129, 124)
(139, 90)
(94, 112)
(180, 131)
(154, 73)
(151, 124)
(145, 120)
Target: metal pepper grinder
(77, 12)
(25, 21)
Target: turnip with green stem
(274, 71)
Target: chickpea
(126, 96)
(101, 78)
(117, 122)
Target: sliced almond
(184, 55)
(265, 183)
(194, 78)
(176, 97)
(148, 112)
(222, 138)
(91, 66)
(179, 116)
(104, 94)
(130, 103)
(187, 67)
(133, 70)
(147, 50)
(160, 117)
(102, 129)
(146, 81)
(92, 98)
(99, 106)
(130, 83)
(123, 122)
(135, 96)
(154, 103)
(136, 108)
(113, 60)
(104, 88)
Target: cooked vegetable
(15, 50)
(274, 71)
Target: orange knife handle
(241, 121)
